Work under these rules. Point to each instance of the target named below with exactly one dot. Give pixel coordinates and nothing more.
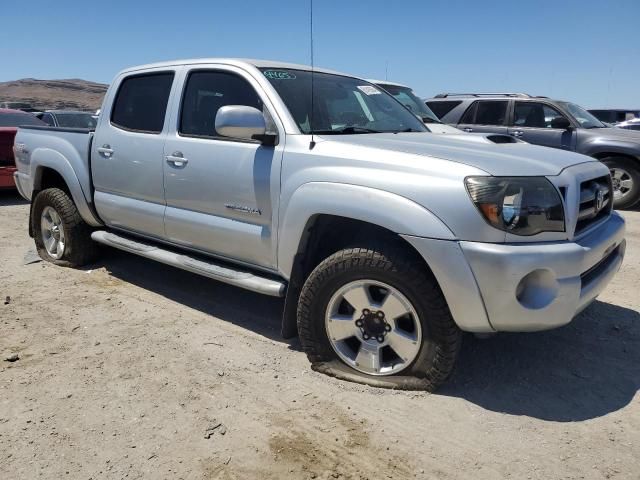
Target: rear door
(485, 116)
(533, 122)
(127, 153)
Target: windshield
(410, 100)
(18, 119)
(341, 105)
(76, 120)
(584, 118)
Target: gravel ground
(126, 366)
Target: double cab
(387, 241)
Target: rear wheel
(625, 176)
(60, 234)
(375, 315)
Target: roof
(12, 110)
(69, 111)
(386, 82)
(240, 62)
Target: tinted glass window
(534, 115)
(469, 114)
(141, 102)
(491, 112)
(410, 100)
(48, 119)
(206, 93)
(442, 108)
(77, 120)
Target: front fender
(43, 158)
(393, 212)
(598, 147)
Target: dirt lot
(125, 365)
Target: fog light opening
(537, 289)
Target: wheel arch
(51, 169)
(323, 218)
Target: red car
(10, 120)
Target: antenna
(312, 143)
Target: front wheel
(625, 177)
(61, 235)
(376, 315)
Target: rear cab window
(141, 102)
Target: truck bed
(73, 144)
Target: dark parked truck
(551, 123)
(387, 241)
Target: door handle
(105, 151)
(176, 159)
(467, 129)
(517, 133)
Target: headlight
(518, 205)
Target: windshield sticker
(369, 90)
(279, 75)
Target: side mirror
(561, 123)
(240, 121)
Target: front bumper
(529, 287)
(523, 287)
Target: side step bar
(206, 268)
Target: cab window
(534, 115)
(208, 91)
(141, 102)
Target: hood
(498, 159)
(613, 133)
(443, 128)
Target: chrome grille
(596, 202)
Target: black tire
(79, 249)
(632, 168)
(392, 264)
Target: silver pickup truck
(387, 241)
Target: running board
(206, 268)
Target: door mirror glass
(240, 121)
(560, 123)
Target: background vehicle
(25, 107)
(68, 119)
(9, 122)
(614, 115)
(409, 99)
(550, 123)
(633, 124)
(386, 241)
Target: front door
(221, 193)
(533, 122)
(127, 154)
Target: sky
(586, 51)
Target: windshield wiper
(351, 129)
(430, 120)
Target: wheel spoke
(50, 243)
(341, 327)
(392, 307)
(55, 217)
(626, 184)
(359, 298)
(618, 174)
(402, 343)
(368, 357)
